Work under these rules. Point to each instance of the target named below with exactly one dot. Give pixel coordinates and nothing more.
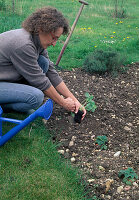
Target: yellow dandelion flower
(95, 46)
(120, 22)
(89, 28)
(111, 37)
(113, 32)
(84, 28)
(127, 37)
(116, 23)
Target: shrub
(101, 61)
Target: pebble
(129, 103)
(102, 196)
(110, 95)
(71, 143)
(91, 180)
(113, 116)
(73, 138)
(135, 184)
(72, 159)
(93, 77)
(44, 121)
(120, 189)
(126, 128)
(108, 197)
(101, 168)
(117, 154)
(67, 150)
(61, 151)
(127, 188)
(92, 137)
(74, 154)
(130, 124)
(129, 162)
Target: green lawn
(30, 167)
(96, 28)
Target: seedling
(128, 175)
(102, 141)
(89, 105)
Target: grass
(30, 166)
(96, 28)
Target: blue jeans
(21, 97)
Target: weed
(102, 141)
(128, 175)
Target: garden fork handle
(72, 29)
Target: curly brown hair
(47, 19)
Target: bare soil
(116, 117)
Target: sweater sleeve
(25, 62)
(52, 74)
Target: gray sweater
(19, 51)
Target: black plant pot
(78, 116)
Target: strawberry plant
(128, 175)
(102, 141)
(89, 105)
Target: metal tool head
(84, 2)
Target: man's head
(46, 20)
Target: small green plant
(95, 198)
(128, 175)
(89, 105)
(102, 141)
(101, 61)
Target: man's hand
(69, 104)
(78, 106)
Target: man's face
(48, 39)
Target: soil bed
(116, 117)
